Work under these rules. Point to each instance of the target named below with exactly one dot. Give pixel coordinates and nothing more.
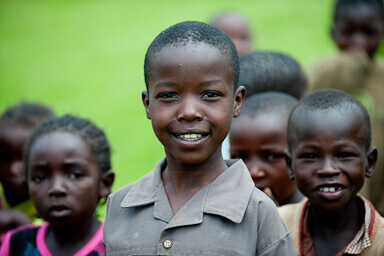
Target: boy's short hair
(330, 99)
(342, 5)
(194, 32)
(263, 71)
(267, 102)
(26, 115)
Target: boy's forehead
(185, 59)
(331, 121)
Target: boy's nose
(359, 41)
(17, 168)
(57, 187)
(328, 169)
(256, 169)
(189, 110)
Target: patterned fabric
(361, 241)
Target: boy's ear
(145, 98)
(239, 100)
(371, 162)
(288, 160)
(106, 181)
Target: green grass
(86, 58)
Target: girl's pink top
(95, 244)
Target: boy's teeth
(329, 189)
(192, 136)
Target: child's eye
(38, 177)
(308, 156)
(275, 156)
(345, 155)
(76, 174)
(210, 94)
(167, 95)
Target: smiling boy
(193, 202)
(329, 137)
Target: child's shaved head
(267, 102)
(330, 99)
(342, 5)
(193, 32)
(271, 71)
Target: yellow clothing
(26, 207)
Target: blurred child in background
(16, 126)
(264, 71)
(236, 27)
(259, 137)
(330, 154)
(68, 169)
(357, 31)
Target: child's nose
(359, 40)
(57, 187)
(189, 110)
(17, 168)
(256, 169)
(328, 169)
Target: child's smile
(190, 101)
(329, 158)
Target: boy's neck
(336, 227)
(294, 197)
(71, 239)
(182, 182)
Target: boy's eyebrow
(172, 84)
(210, 82)
(165, 84)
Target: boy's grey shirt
(227, 217)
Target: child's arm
(10, 219)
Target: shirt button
(167, 244)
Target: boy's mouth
(190, 136)
(330, 188)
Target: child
(264, 71)
(236, 27)
(329, 138)
(259, 137)
(16, 126)
(269, 71)
(68, 168)
(193, 202)
(357, 31)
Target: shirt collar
(359, 243)
(228, 195)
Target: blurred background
(86, 57)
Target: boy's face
(329, 158)
(12, 140)
(260, 141)
(360, 27)
(191, 101)
(238, 31)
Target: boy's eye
(167, 95)
(76, 174)
(38, 177)
(345, 155)
(275, 156)
(308, 156)
(210, 95)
